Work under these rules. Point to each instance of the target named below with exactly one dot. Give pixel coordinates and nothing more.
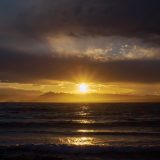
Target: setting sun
(83, 88)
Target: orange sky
(53, 46)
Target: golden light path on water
(83, 116)
(81, 140)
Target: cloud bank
(16, 66)
(113, 41)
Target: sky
(54, 45)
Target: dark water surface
(79, 131)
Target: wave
(66, 152)
(64, 149)
(73, 124)
(76, 133)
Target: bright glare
(83, 88)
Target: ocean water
(79, 131)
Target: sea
(93, 131)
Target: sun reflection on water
(82, 116)
(78, 141)
(83, 111)
(85, 121)
(85, 131)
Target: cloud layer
(110, 40)
(16, 66)
(80, 17)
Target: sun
(83, 88)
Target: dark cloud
(26, 56)
(135, 18)
(20, 67)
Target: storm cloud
(29, 50)
(80, 17)
(21, 67)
